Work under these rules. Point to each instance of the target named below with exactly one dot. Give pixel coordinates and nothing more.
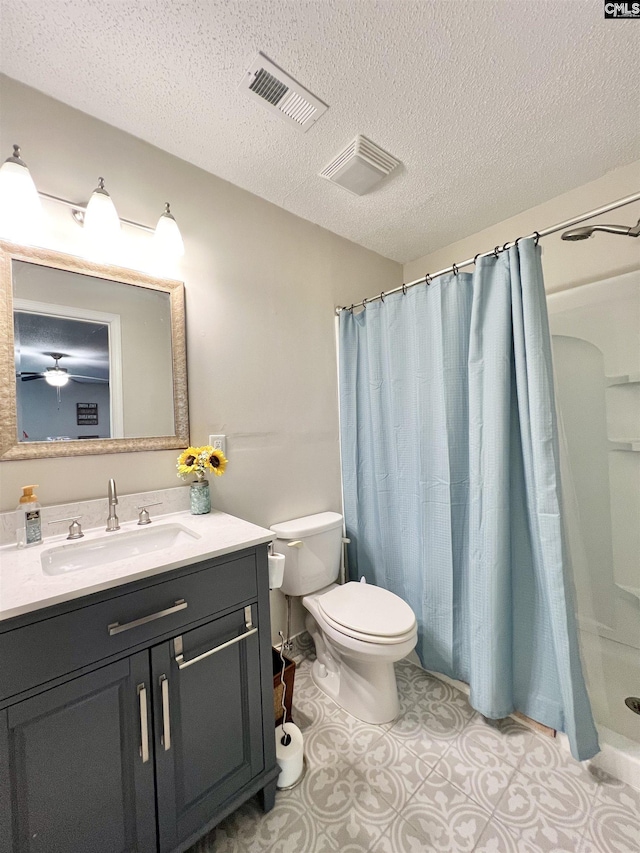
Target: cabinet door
(76, 776)
(208, 715)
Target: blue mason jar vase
(200, 497)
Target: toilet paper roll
(290, 758)
(276, 570)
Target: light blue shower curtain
(451, 484)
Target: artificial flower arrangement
(199, 460)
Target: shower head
(586, 231)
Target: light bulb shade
(167, 237)
(101, 220)
(20, 206)
(56, 376)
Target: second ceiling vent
(361, 166)
(280, 94)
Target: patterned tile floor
(438, 779)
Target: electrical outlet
(219, 442)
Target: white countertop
(24, 587)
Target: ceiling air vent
(280, 93)
(361, 166)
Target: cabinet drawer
(52, 647)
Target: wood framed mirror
(92, 357)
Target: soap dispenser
(29, 529)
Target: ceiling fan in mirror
(57, 376)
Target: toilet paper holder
(289, 744)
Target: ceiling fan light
(56, 376)
(20, 206)
(167, 237)
(101, 220)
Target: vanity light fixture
(20, 207)
(21, 213)
(101, 220)
(167, 236)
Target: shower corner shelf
(632, 445)
(624, 379)
(630, 592)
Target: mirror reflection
(96, 359)
(62, 374)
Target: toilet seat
(368, 613)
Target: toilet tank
(312, 548)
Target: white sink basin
(115, 546)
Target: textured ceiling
(492, 107)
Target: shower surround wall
(596, 344)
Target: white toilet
(359, 629)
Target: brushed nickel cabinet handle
(178, 648)
(117, 628)
(144, 724)
(166, 720)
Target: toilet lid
(368, 609)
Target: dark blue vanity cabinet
(137, 718)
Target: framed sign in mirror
(92, 357)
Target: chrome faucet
(112, 520)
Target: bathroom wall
(261, 285)
(565, 264)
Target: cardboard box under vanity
(289, 674)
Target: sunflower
(188, 461)
(214, 460)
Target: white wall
(565, 264)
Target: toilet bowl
(359, 629)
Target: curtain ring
(504, 248)
(517, 241)
(537, 236)
(404, 289)
(351, 309)
(427, 279)
(454, 269)
(475, 260)
(496, 251)
(364, 302)
(382, 296)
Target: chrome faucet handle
(75, 528)
(144, 517)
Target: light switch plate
(219, 442)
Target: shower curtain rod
(455, 267)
